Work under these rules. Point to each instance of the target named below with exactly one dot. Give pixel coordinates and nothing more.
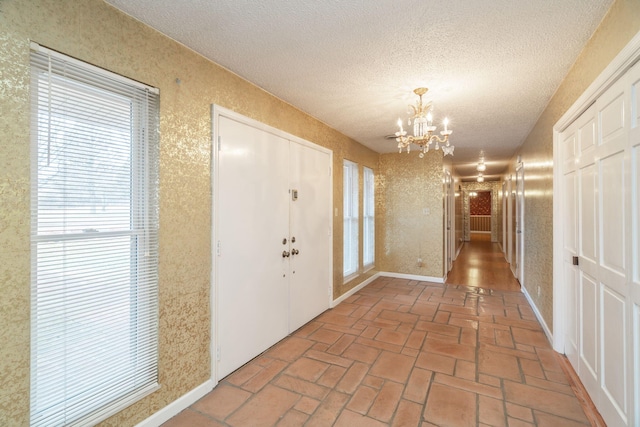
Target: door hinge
(219, 142)
(218, 352)
(218, 248)
(576, 260)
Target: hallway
(482, 264)
(406, 353)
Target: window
(350, 173)
(94, 222)
(368, 213)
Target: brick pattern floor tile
(402, 353)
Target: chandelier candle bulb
(445, 122)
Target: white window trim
(352, 210)
(368, 192)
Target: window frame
(368, 219)
(135, 239)
(351, 262)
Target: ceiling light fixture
(480, 177)
(423, 129)
(481, 166)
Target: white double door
(601, 186)
(272, 260)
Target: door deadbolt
(285, 254)
(284, 241)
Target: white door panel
(614, 344)
(612, 207)
(569, 151)
(589, 335)
(588, 219)
(635, 103)
(310, 277)
(571, 347)
(611, 106)
(253, 177)
(569, 229)
(587, 131)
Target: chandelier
(423, 129)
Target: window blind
(94, 245)
(368, 208)
(350, 209)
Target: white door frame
(620, 65)
(448, 224)
(519, 244)
(510, 243)
(504, 218)
(216, 112)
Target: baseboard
(412, 277)
(178, 405)
(545, 327)
(353, 290)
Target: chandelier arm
(435, 138)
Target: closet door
(610, 159)
(604, 307)
(310, 219)
(252, 221)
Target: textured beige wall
(95, 32)
(621, 23)
(408, 185)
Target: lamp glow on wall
(423, 129)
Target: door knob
(294, 252)
(285, 254)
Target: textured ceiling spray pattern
(491, 66)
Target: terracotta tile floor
(402, 353)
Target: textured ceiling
(490, 66)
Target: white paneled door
(600, 235)
(253, 218)
(310, 225)
(272, 238)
